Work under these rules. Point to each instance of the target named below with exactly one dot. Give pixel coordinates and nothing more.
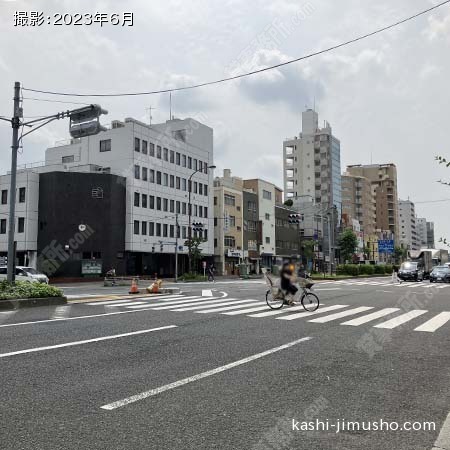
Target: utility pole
(12, 190)
(329, 244)
(176, 247)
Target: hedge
(25, 289)
(363, 269)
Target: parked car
(411, 270)
(25, 274)
(440, 274)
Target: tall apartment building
(407, 216)
(312, 163)
(421, 228)
(383, 179)
(159, 164)
(431, 243)
(358, 202)
(228, 223)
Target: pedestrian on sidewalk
(211, 270)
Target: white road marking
(327, 289)
(227, 308)
(436, 322)
(73, 296)
(284, 310)
(443, 440)
(312, 313)
(126, 304)
(207, 293)
(396, 321)
(245, 311)
(107, 302)
(193, 302)
(349, 312)
(370, 317)
(167, 387)
(86, 341)
(178, 297)
(167, 305)
(61, 311)
(230, 301)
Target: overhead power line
(235, 77)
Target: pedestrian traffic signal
(161, 248)
(295, 218)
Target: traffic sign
(386, 246)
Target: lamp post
(190, 215)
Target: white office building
(407, 220)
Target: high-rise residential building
(159, 166)
(421, 228)
(228, 223)
(430, 235)
(383, 179)
(358, 202)
(408, 233)
(312, 163)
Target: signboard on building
(386, 246)
(232, 253)
(91, 267)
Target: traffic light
(161, 248)
(197, 226)
(295, 218)
(86, 121)
(153, 249)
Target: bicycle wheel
(310, 301)
(273, 303)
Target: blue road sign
(386, 246)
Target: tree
(289, 202)
(308, 249)
(400, 254)
(348, 242)
(196, 252)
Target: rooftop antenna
(170, 105)
(149, 109)
(314, 107)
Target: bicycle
(276, 297)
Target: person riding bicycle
(287, 276)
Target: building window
(195, 187)
(67, 159)
(184, 208)
(205, 235)
(136, 199)
(232, 221)
(158, 177)
(152, 176)
(267, 195)
(172, 231)
(158, 203)
(151, 228)
(136, 227)
(144, 147)
(152, 149)
(200, 166)
(165, 179)
(137, 172)
(251, 226)
(178, 207)
(158, 229)
(183, 184)
(195, 211)
(189, 162)
(144, 200)
(105, 146)
(195, 164)
(137, 144)
(251, 206)
(172, 156)
(230, 200)
(205, 189)
(267, 240)
(22, 195)
(165, 230)
(215, 221)
(144, 173)
(200, 188)
(172, 206)
(152, 202)
(4, 196)
(144, 228)
(165, 204)
(172, 181)
(205, 211)
(178, 159)
(183, 232)
(183, 159)
(267, 216)
(158, 151)
(21, 225)
(178, 183)
(215, 201)
(166, 154)
(215, 242)
(229, 241)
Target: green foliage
(379, 269)
(388, 268)
(400, 254)
(196, 252)
(25, 289)
(289, 202)
(348, 269)
(308, 249)
(348, 243)
(192, 277)
(367, 269)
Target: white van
(25, 274)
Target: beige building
(228, 223)
(383, 179)
(358, 202)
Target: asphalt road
(227, 375)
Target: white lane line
(370, 317)
(349, 312)
(443, 440)
(230, 301)
(227, 308)
(312, 313)
(86, 341)
(61, 311)
(195, 302)
(4, 315)
(207, 293)
(208, 373)
(436, 322)
(328, 289)
(125, 304)
(246, 311)
(396, 321)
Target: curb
(19, 303)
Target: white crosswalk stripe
(399, 320)
(370, 317)
(436, 322)
(262, 307)
(227, 308)
(230, 301)
(192, 302)
(124, 304)
(339, 315)
(307, 314)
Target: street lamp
(83, 122)
(190, 216)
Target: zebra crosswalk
(346, 315)
(383, 282)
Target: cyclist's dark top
(285, 270)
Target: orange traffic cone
(134, 288)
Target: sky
(386, 98)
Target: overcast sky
(387, 97)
